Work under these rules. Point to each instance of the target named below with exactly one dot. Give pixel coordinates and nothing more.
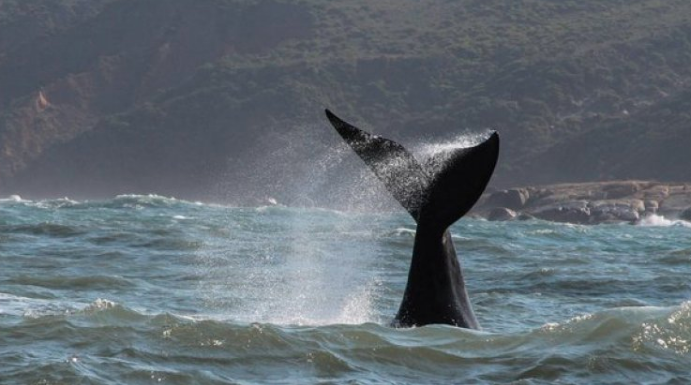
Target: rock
(616, 211)
(686, 214)
(589, 203)
(638, 205)
(525, 217)
(657, 193)
(501, 214)
(620, 190)
(490, 189)
(512, 199)
(570, 212)
(675, 203)
(651, 206)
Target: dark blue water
(146, 289)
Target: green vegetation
(579, 90)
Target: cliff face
(115, 96)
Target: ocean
(153, 290)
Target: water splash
(303, 276)
(435, 154)
(671, 333)
(464, 140)
(306, 277)
(12, 198)
(308, 166)
(660, 221)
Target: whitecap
(402, 231)
(100, 304)
(660, 221)
(12, 198)
(13, 305)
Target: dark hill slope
(26, 22)
(65, 84)
(171, 96)
(653, 144)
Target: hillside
(218, 98)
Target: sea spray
(655, 220)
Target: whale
(436, 192)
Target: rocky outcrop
(501, 214)
(616, 211)
(571, 212)
(651, 206)
(590, 203)
(512, 199)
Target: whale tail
(435, 197)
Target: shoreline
(591, 203)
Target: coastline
(627, 201)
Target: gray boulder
(620, 190)
(676, 203)
(501, 214)
(651, 206)
(615, 214)
(569, 212)
(512, 199)
(525, 217)
(686, 214)
(616, 211)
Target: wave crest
(655, 220)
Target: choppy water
(145, 289)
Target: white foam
(100, 304)
(12, 198)
(660, 221)
(56, 203)
(400, 231)
(19, 306)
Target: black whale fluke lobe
(435, 292)
(397, 168)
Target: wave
(93, 282)
(45, 203)
(630, 341)
(106, 341)
(149, 200)
(401, 232)
(660, 221)
(19, 306)
(119, 201)
(656, 327)
(12, 198)
(44, 229)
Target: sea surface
(154, 290)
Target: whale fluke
(459, 183)
(403, 176)
(436, 198)
(448, 191)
